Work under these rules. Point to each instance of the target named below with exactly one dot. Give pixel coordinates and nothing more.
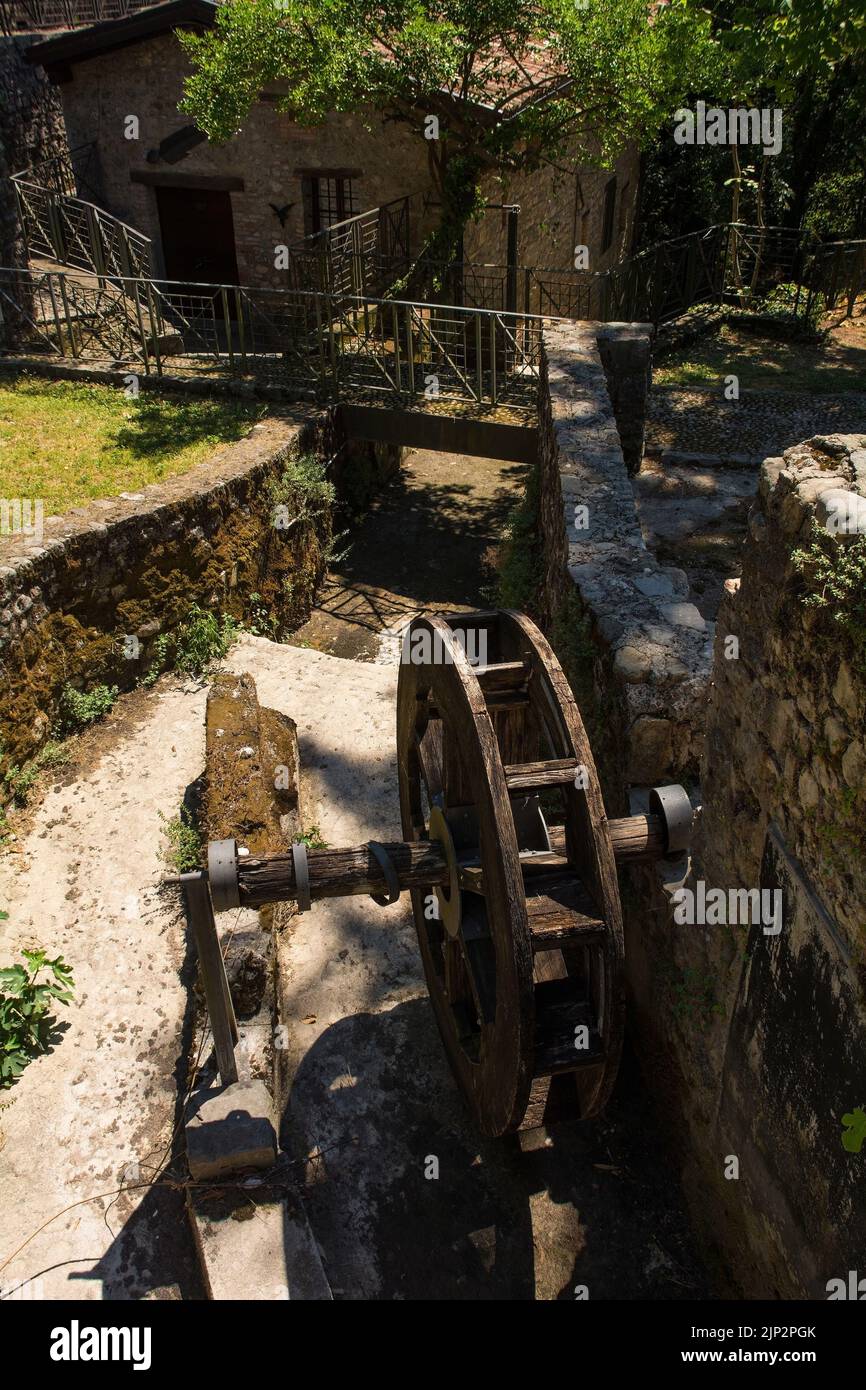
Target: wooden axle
(342, 873)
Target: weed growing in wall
(301, 493)
(202, 638)
(79, 708)
(833, 570)
(520, 572)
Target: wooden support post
(216, 986)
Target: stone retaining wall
(750, 1028)
(644, 651)
(31, 129)
(130, 567)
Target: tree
(809, 57)
(512, 85)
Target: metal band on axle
(302, 876)
(380, 854)
(222, 873)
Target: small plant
(301, 493)
(694, 996)
(834, 578)
(202, 638)
(183, 851)
(262, 622)
(79, 708)
(19, 780)
(520, 558)
(312, 838)
(790, 304)
(161, 647)
(26, 996)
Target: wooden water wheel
(511, 864)
(523, 950)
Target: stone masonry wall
(31, 129)
(558, 211)
(784, 784)
(750, 1028)
(146, 80)
(132, 566)
(642, 659)
(756, 1037)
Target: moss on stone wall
(94, 602)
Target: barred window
(328, 197)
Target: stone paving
(760, 424)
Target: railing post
(358, 284)
(395, 327)
(228, 327)
(493, 389)
(410, 349)
(141, 333)
(96, 248)
(320, 339)
(332, 343)
(154, 328)
(479, 358)
(55, 231)
(126, 267)
(53, 299)
(242, 342)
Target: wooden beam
(220, 183)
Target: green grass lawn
(838, 363)
(68, 441)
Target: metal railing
(363, 254)
(60, 226)
(728, 264)
(321, 345)
(73, 173)
(29, 16)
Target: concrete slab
(258, 1250)
(99, 1110)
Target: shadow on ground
(598, 1205)
(429, 541)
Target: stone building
(217, 213)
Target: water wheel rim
(495, 1078)
(590, 825)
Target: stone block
(229, 1129)
(650, 749)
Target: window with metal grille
(609, 209)
(328, 198)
